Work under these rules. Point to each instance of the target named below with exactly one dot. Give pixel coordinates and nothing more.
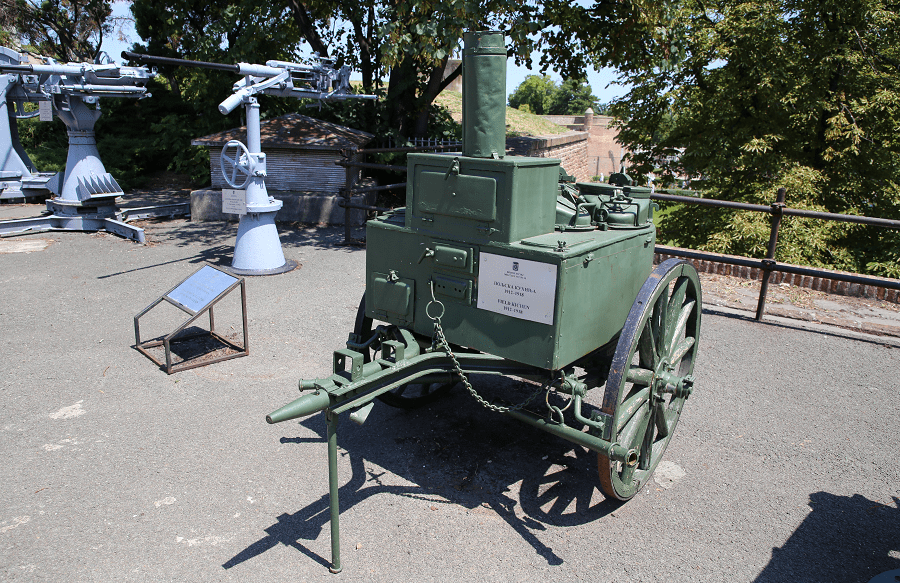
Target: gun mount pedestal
(87, 185)
(257, 247)
(88, 196)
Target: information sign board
(234, 202)
(201, 288)
(45, 111)
(517, 287)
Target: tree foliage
(540, 95)
(533, 94)
(400, 47)
(67, 30)
(799, 94)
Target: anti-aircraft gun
(257, 249)
(19, 178)
(497, 267)
(87, 195)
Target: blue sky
(514, 76)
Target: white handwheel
(240, 163)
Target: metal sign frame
(187, 292)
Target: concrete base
(319, 209)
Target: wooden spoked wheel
(650, 377)
(409, 396)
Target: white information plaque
(201, 288)
(517, 287)
(234, 202)
(45, 111)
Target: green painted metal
(333, 497)
(484, 94)
(598, 275)
(500, 265)
(482, 200)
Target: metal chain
(440, 339)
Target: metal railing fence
(348, 162)
(778, 209)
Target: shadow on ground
(184, 233)
(453, 452)
(844, 538)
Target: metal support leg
(777, 208)
(332, 420)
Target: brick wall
(604, 155)
(571, 148)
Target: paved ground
(783, 468)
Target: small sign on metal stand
(234, 202)
(196, 294)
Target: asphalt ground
(783, 466)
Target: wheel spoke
(682, 349)
(662, 420)
(674, 311)
(630, 406)
(638, 375)
(646, 452)
(627, 475)
(635, 428)
(681, 324)
(657, 326)
(647, 350)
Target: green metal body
(597, 275)
(525, 274)
(484, 95)
(484, 211)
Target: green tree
(802, 94)
(540, 95)
(7, 24)
(573, 97)
(67, 30)
(534, 93)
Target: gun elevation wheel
(650, 377)
(409, 396)
(238, 164)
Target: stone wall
(307, 208)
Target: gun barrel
(53, 69)
(179, 62)
(5, 68)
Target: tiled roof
(293, 131)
